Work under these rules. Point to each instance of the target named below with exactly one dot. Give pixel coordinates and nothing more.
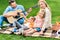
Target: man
(12, 7)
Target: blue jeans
(38, 29)
(21, 20)
(2, 18)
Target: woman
(47, 20)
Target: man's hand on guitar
(10, 14)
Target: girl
(30, 22)
(37, 24)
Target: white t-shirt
(47, 20)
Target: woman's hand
(30, 9)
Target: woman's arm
(47, 20)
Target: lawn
(54, 4)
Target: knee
(1, 17)
(21, 21)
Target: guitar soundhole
(18, 15)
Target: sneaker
(15, 30)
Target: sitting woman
(47, 21)
(39, 19)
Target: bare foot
(41, 33)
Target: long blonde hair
(44, 3)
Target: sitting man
(13, 7)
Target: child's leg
(27, 30)
(32, 31)
(35, 30)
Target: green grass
(55, 8)
(19, 37)
(54, 4)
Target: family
(37, 24)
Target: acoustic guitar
(18, 14)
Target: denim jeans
(2, 18)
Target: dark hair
(33, 18)
(11, 1)
(43, 15)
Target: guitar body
(11, 19)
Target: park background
(55, 9)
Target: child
(55, 28)
(37, 24)
(30, 23)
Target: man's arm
(6, 12)
(23, 9)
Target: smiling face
(40, 15)
(31, 19)
(13, 4)
(42, 5)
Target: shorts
(38, 29)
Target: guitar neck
(35, 6)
